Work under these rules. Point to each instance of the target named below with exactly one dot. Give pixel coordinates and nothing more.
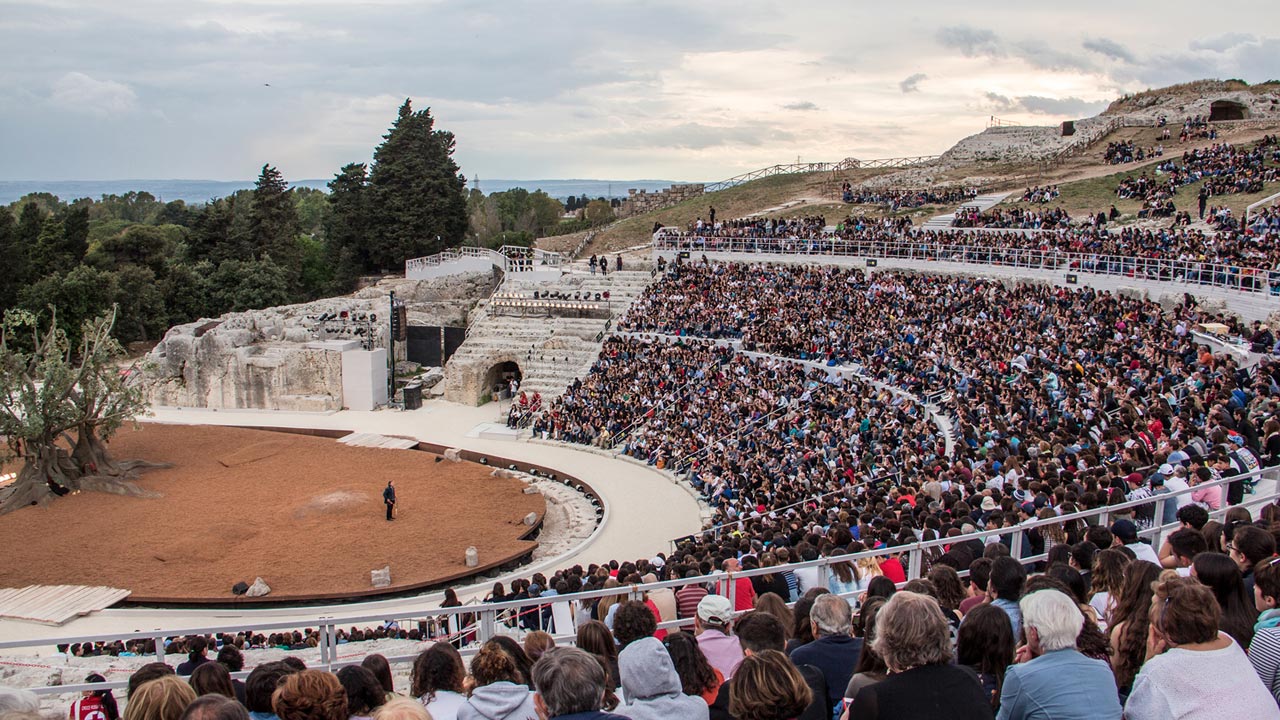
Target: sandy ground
(304, 513)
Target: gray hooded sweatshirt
(499, 701)
(652, 687)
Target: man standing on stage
(389, 499)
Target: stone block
(259, 588)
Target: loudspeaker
(872, 263)
(1068, 128)
(1072, 278)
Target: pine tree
(273, 219)
(416, 192)
(347, 227)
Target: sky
(685, 90)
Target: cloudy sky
(684, 90)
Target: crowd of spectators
(1041, 195)
(1226, 169)
(895, 199)
(1013, 218)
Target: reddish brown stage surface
(304, 513)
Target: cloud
(1000, 103)
(1224, 42)
(912, 83)
(1072, 106)
(970, 41)
(79, 92)
(1109, 48)
(697, 136)
(802, 105)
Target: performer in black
(389, 499)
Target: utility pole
(393, 322)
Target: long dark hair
(594, 637)
(439, 667)
(108, 700)
(869, 661)
(985, 643)
(1134, 611)
(1236, 611)
(696, 675)
(377, 664)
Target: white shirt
(1141, 551)
(1200, 684)
(1175, 483)
(445, 705)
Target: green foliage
(598, 212)
(567, 227)
(417, 202)
(81, 294)
(346, 224)
(273, 219)
(247, 284)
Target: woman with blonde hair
(164, 698)
(914, 639)
(310, 695)
(604, 608)
(767, 686)
(402, 708)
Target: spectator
(1053, 680)
(1126, 535)
(913, 638)
(310, 695)
(834, 651)
(1181, 548)
(568, 682)
(211, 678)
(633, 621)
(377, 664)
(1129, 622)
(697, 677)
(979, 576)
(536, 643)
(165, 698)
(1249, 546)
(196, 649)
(230, 657)
(260, 685)
(1185, 643)
(1264, 651)
(688, 597)
(652, 686)
(93, 704)
(985, 644)
(1107, 582)
(712, 627)
(596, 639)
(774, 605)
(402, 708)
(1236, 609)
(1004, 589)
(768, 687)
(744, 596)
(147, 673)
(215, 707)
(437, 678)
(364, 693)
(498, 692)
(760, 632)
(870, 668)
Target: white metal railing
(475, 624)
(1232, 277)
(509, 258)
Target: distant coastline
(202, 191)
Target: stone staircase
(550, 351)
(982, 202)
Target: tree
(10, 284)
(273, 219)
(346, 225)
(598, 212)
(52, 391)
(418, 202)
(247, 284)
(70, 299)
(141, 245)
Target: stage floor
(304, 513)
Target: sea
(202, 191)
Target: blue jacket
(1059, 685)
(835, 656)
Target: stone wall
(639, 202)
(289, 357)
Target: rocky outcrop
(290, 357)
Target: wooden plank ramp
(374, 440)
(56, 604)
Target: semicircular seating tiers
(1077, 379)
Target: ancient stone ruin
(290, 357)
(641, 201)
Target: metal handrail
(489, 615)
(1188, 272)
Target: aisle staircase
(550, 351)
(982, 202)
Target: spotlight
(552, 477)
(533, 472)
(512, 466)
(439, 459)
(484, 461)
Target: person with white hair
(834, 651)
(1052, 679)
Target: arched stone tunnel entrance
(497, 380)
(1227, 110)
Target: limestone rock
(472, 557)
(453, 455)
(259, 588)
(381, 578)
(530, 519)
